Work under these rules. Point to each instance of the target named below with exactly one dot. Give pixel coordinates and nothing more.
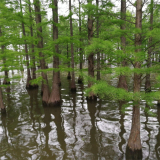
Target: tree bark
(134, 142)
(28, 85)
(2, 106)
(55, 98)
(91, 95)
(148, 82)
(80, 78)
(32, 47)
(73, 85)
(98, 53)
(69, 73)
(122, 83)
(45, 88)
(6, 77)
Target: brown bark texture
(148, 81)
(28, 85)
(122, 83)
(45, 87)
(73, 84)
(69, 73)
(32, 47)
(2, 106)
(134, 142)
(80, 78)
(98, 53)
(6, 77)
(91, 95)
(55, 98)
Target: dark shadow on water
(147, 128)
(123, 131)
(94, 145)
(59, 123)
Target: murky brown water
(76, 131)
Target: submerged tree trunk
(134, 142)
(148, 82)
(45, 88)
(2, 106)
(80, 78)
(55, 98)
(32, 47)
(28, 85)
(122, 83)
(91, 95)
(73, 85)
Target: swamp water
(79, 130)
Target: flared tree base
(44, 103)
(133, 155)
(55, 103)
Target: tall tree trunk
(122, 83)
(134, 142)
(45, 88)
(98, 53)
(55, 98)
(73, 85)
(91, 95)
(80, 78)
(28, 85)
(148, 82)
(2, 106)
(69, 73)
(32, 47)
(6, 77)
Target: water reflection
(79, 129)
(122, 129)
(157, 146)
(94, 145)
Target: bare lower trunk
(55, 98)
(40, 46)
(134, 141)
